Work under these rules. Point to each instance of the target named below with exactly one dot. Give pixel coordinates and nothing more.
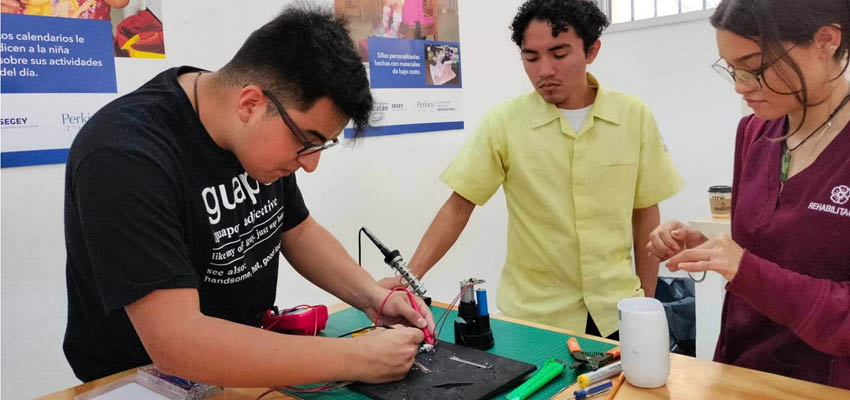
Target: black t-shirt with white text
(151, 202)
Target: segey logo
(840, 195)
(13, 121)
(17, 122)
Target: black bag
(678, 297)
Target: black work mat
(504, 373)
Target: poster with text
(136, 27)
(58, 68)
(412, 52)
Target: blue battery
(481, 297)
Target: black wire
(359, 236)
(366, 329)
(831, 116)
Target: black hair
(770, 23)
(582, 15)
(302, 55)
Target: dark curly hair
(583, 15)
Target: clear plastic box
(173, 387)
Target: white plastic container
(644, 342)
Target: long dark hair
(772, 22)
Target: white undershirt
(576, 117)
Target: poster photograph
(58, 68)
(413, 56)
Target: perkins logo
(425, 105)
(75, 119)
(840, 195)
(73, 122)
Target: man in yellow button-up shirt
(583, 170)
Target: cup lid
(720, 189)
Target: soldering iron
(396, 262)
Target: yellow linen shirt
(570, 197)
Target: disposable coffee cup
(720, 200)
(644, 342)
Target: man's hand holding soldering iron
(390, 353)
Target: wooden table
(690, 379)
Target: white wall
(669, 68)
(386, 183)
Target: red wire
(329, 385)
(326, 386)
(429, 338)
(395, 289)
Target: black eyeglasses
(751, 79)
(309, 147)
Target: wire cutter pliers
(590, 360)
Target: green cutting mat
(516, 341)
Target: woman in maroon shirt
(787, 307)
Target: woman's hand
(672, 237)
(721, 255)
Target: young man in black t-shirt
(180, 196)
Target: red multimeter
(299, 320)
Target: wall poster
(58, 68)
(413, 57)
